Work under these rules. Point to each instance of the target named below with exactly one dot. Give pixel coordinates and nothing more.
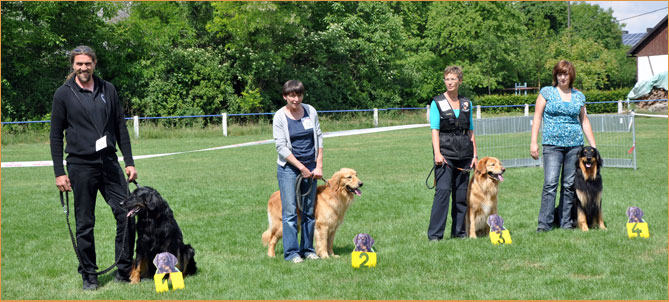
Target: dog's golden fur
(588, 189)
(332, 201)
(482, 195)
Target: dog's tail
(267, 235)
(187, 260)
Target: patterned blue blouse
(562, 126)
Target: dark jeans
(557, 159)
(449, 180)
(86, 181)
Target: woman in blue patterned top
(565, 120)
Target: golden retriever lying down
(332, 201)
(482, 195)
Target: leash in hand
(467, 170)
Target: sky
(626, 9)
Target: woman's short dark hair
(293, 86)
(564, 66)
(83, 50)
(456, 70)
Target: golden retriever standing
(482, 195)
(332, 201)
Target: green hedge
(590, 96)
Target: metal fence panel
(508, 138)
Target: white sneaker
(297, 259)
(312, 257)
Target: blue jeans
(558, 159)
(287, 176)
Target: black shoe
(90, 282)
(121, 278)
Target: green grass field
(219, 199)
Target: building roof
(643, 41)
(632, 39)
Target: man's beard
(84, 77)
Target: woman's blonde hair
(456, 70)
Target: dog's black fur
(157, 232)
(587, 210)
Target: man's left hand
(131, 172)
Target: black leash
(428, 177)
(66, 208)
(298, 191)
(435, 175)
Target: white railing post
(527, 109)
(620, 106)
(135, 125)
(427, 113)
(376, 117)
(224, 122)
(478, 112)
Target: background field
(219, 199)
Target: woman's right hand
(305, 172)
(439, 159)
(534, 150)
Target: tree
(482, 37)
(169, 67)
(36, 38)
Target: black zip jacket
(69, 115)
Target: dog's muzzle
(134, 211)
(355, 191)
(497, 176)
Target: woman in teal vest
(454, 148)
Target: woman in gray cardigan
(299, 142)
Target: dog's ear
(334, 181)
(370, 240)
(153, 200)
(481, 166)
(600, 162)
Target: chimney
(649, 29)
(625, 32)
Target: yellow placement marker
(502, 237)
(637, 229)
(363, 259)
(162, 285)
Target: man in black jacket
(87, 108)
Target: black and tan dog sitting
(157, 232)
(588, 189)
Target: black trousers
(451, 182)
(108, 179)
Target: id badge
(101, 143)
(306, 123)
(444, 105)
